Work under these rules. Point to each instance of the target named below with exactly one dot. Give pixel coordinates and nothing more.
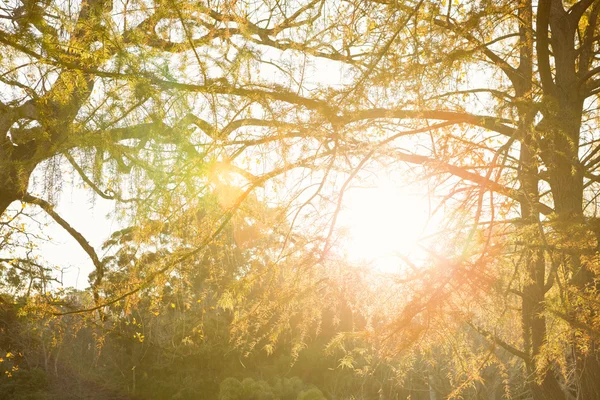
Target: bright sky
(386, 221)
(380, 221)
(91, 219)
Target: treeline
(143, 356)
(229, 324)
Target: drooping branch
(226, 217)
(91, 184)
(574, 322)
(81, 240)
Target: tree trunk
(567, 187)
(5, 201)
(542, 384)
(560, 134)
(9, 189)
(16, 166)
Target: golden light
(385, 223)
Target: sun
(386, 224)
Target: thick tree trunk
(9, 192)
(567, 187)
(561, 133)
(542, 384)
(589, 367)
(16, 166)
(587, 364)
(5, 201)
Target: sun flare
(385, 223)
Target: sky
(91, 218)
(387, 222)
(380, 221)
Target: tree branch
(494, 338)
(472, 177)
(49, 209)
(577, 10)
(542, 43)
(571, 320)
(482, 121)
(91, 184)
(510, 72)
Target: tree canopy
(229, 135)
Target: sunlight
(384, 223)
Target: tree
(155, 104)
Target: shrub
(311, 394)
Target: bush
(311, 394)
(24, 385)
(257, 390)
(230, 389)
(284, 389)
(289, 388)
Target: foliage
(311, 394)
(228, 134)
(283, 389)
